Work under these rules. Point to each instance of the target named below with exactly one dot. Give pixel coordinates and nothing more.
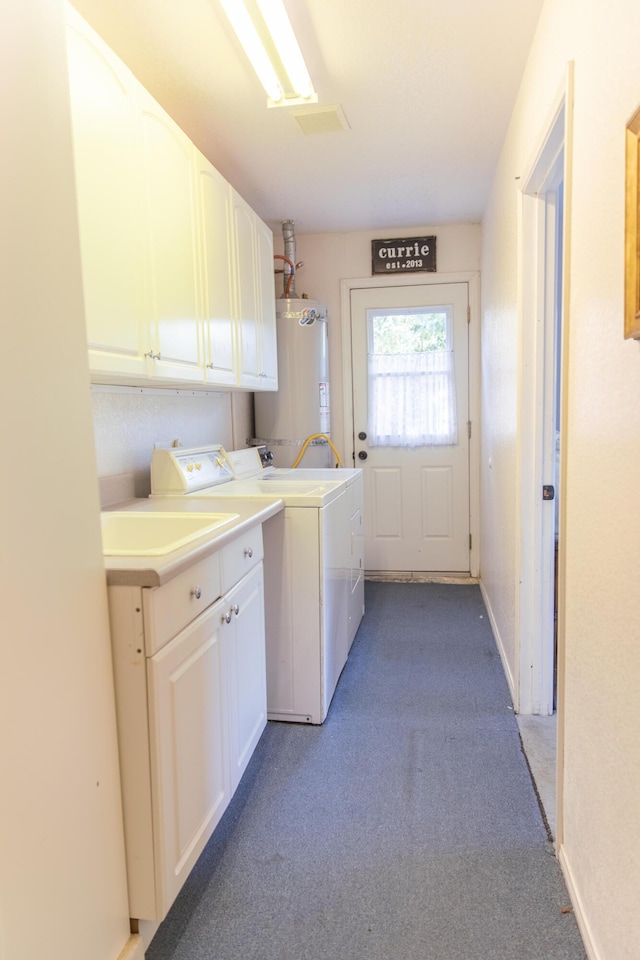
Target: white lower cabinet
(247, 671)
(190, 709)
(189, 733)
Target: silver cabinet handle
(248, 552)
(226, 617)
(197, 593)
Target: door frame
(539, 269)
(472, 278)
(541, 264)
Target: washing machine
(307, 560)
(353, 479)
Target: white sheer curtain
(412, 399)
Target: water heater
(300, 407)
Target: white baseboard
(133, 948)
(500, 646)
(578, 908)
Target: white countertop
(154, 571)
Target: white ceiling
(427, 87)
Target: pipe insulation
(289, 237)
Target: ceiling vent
(325, 118)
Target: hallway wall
(63, 892)
(599, 795)
(332, 257)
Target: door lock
(362, 435)
(548, 492)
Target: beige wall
(601, 782)
(127, 423)
(332, 257)
(62, 878)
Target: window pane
(409, 332)
(411, 384)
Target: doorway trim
(541, 264)
(472, 278)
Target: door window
(411, 383)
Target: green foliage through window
(408, 333)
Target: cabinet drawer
(241, 556)
(169, 608)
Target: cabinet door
(107, 167)
(246, 291)
(189, 738)
(171, 275)
(216, 289)
(248, 685)
(267, 304)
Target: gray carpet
(405, 828)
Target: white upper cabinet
(255, 302)
(246, 293)
(107, 152)
(267, 304)
(216, 288)
(177, 268)
(170, 220)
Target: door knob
(362, 455)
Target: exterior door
(411, 425)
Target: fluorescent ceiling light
(264, 30)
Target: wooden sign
(412, 255)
